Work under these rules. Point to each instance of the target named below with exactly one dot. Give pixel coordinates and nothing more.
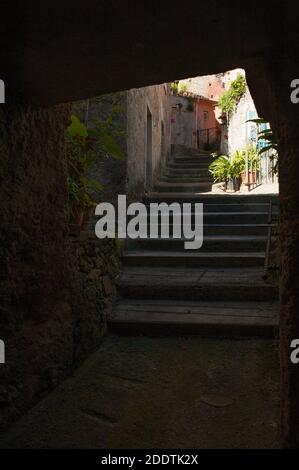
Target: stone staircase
(186, 173)
(217, 290)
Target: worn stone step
(179, 180)
(241, 207)
(180, 160)
(196, 284)
(171, 173)
(227, 218)
(174, 187)
(217, 243)
(209, 206)
(190, 171)
(227, 198)
(219, 319)
(235, 217)
(217, 229)
(186, 170)
(188, 165)
(184, 258)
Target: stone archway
(52, 56)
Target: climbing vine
(231, 97)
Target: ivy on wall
(231, 97)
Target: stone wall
(95, 264)
(183, 123)
(54, 290)
(35, 314)
(156, 100)
(237, 128)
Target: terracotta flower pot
(251, 177)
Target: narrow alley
(214, 383)
(218, 289)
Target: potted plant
(80, 157)
(237, 167)
(253, 165)
(84, 147)
(228, 170)
(220, 169)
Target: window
(205, 115)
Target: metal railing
(269, 236)
(210, 137)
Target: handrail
(269, 236)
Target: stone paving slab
(161, 393)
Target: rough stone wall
(207, 86)
(237, 128)
(269, 82)
(95, 264)
(183, 123)
(54, 290)
(157, 99)
(35, 315)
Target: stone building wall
(156, 99)
(54, 290)
(238, 129)
(183, 123)
(207, 86)
(35, 314)
(95, 264)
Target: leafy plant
(86, 145)
(231, 97)
(226, 102)
(238, 163)
(224, 169)
(107, 129)
(182, 87)
(190, 106)
(80, 158)
(266, 135)
(239, 159)
(174, 87)
(220, 169)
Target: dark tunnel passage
(51, 57)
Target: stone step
(188, 165)
(213, 319)
(228, 206)
(206, 160)
(195, 284)
(180, 170)
(220, 243)
(220, 229)
(178, 180)
(172, 173)
(226, 218)
(227, 198)
(241, 207)
(174, 187)
(185, 258)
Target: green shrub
(231, 97)
(223, 168)
(182, 87)
(220, 169)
